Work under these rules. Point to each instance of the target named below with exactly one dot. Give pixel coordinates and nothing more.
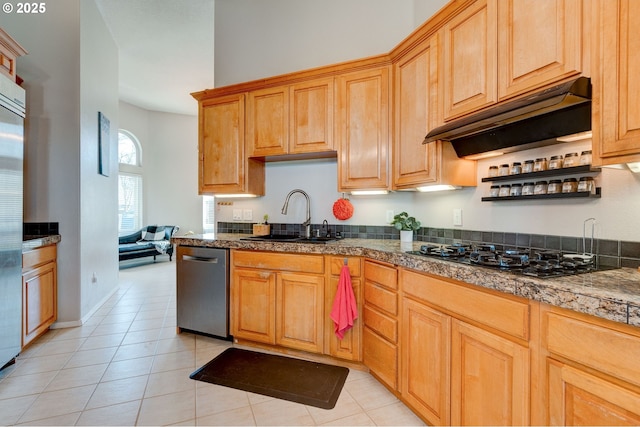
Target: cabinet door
(300, 311)
(489, 378)
(415, 94)
(223, 166)
(268, 122)
(616, 111)
(363, 130)
(311, 117)
(39, 301)
(539, 43)
(253, 312)
(426, 355)
(579, 398)
(469, 74)
(349, 347)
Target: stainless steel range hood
(529, 122)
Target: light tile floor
(128, 366)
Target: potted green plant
(406, 224)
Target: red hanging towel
(345, 310)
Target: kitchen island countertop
(611, 294)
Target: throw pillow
(153, 233)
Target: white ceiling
(165, 51)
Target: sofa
(152, 240)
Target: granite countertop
(610, 294)
(33, 242)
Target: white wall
(98, 193)
(61, 148)
(257, 39)
(169, 161)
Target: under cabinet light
(431, 188)
(581, 136)
(634, 167)
(235, 196)
(368, 192)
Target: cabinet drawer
(381, 357)
(354, 263)
(382, 274)
(381, 298)
(38, 256)
(597, 346)
(383, 325)
(500, 313)
(279, 261)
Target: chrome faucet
(307, 223)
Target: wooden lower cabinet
(592, 375)
(39, 292)
(380, 333)
(458, 370)
(278, 299)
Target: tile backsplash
(614, 253)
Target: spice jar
(528, 166)
(570, 160)
(587, 184)
(555, 162)
(516, 190)
(585, 158)
(504, 170)
(570, 185)
(540, 164)
(516, 168)
(540, 187)
(554, 187)
(528, 188)
(493, 171)
(494, 191)
(504, 190)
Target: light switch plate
(247, 214)
(457, 216)
(237, 214)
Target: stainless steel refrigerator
(12, 113)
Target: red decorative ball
(342, 209)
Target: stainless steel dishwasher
(203, 290)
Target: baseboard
(76, 323)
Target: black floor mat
(296, 380)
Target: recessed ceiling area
(166, 51)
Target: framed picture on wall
(103, 144)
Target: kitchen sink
(288, 238)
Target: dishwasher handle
(200, 259)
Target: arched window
(129, 183)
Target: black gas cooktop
(536, 263)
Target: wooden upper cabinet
(415, 94)
(311, 116)
(363, 130)
(223, 166)
(267, 122)
(10, 50)
(616, 87)
(291, 119)
(538, 43)
(469, 77)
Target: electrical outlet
(390, 215)
(247, 214)
(457, 216)
(237, 214)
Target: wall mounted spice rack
(532, 176)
